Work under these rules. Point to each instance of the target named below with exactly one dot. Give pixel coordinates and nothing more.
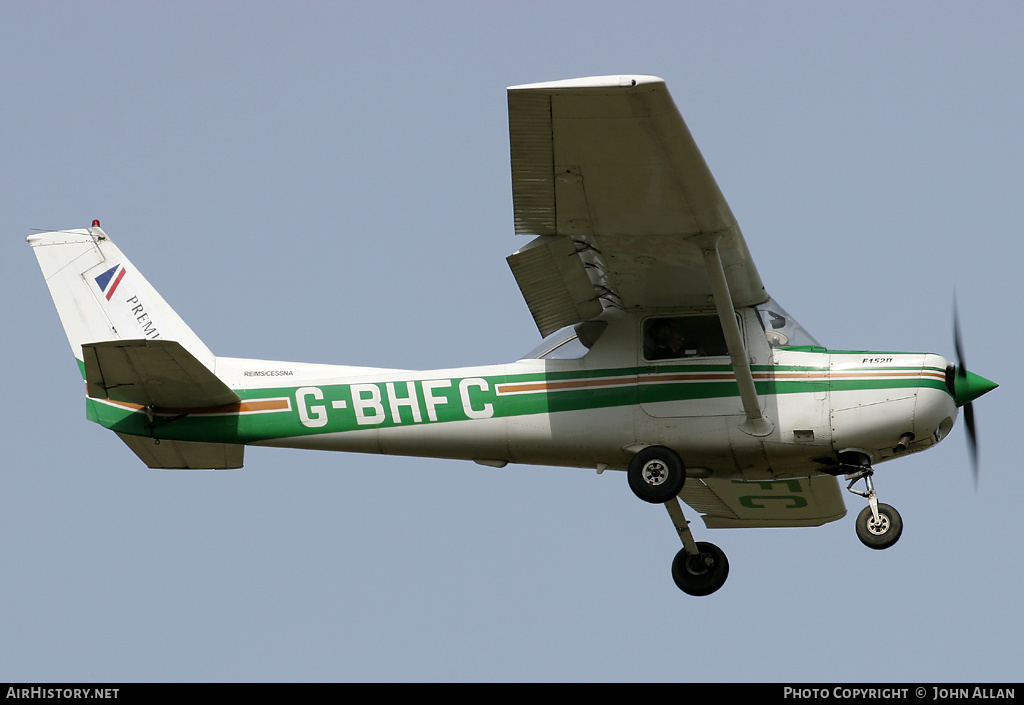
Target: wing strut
(757, 424)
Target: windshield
(570, 343)
(781, 328)
(560, 345)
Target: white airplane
(664, 358)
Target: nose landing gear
(879, 525)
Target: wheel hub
(699, 564)
(655, 472)
(878, 527)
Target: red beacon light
(97, 231)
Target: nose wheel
(881, 532)
(879, 525)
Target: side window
(683, 336)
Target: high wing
(607, 176)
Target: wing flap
(806, 501)
(554, 283)
(156, 373)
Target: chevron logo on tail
(107, 282)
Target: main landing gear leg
(878, 525)
(682, 526)
(699, 568)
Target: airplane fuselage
(592, 411)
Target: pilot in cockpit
(671, 343)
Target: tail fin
(102, 299)
(100, 296)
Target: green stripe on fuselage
(371, 405)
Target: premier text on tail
(664, 355)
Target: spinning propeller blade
(966, 387)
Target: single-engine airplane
(663, 354)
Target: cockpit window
(782, 329)
(683, 336)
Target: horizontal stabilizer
(152, 373)
(804, 501)
(185, 455)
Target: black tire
(656, 474)
(702, 574)
(882, 534)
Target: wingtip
(592, 83)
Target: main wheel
(656, 474)
(701, 574)
(883, 533)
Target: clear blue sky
(329, 182)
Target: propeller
(966, 387)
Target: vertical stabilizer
(100, 296)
